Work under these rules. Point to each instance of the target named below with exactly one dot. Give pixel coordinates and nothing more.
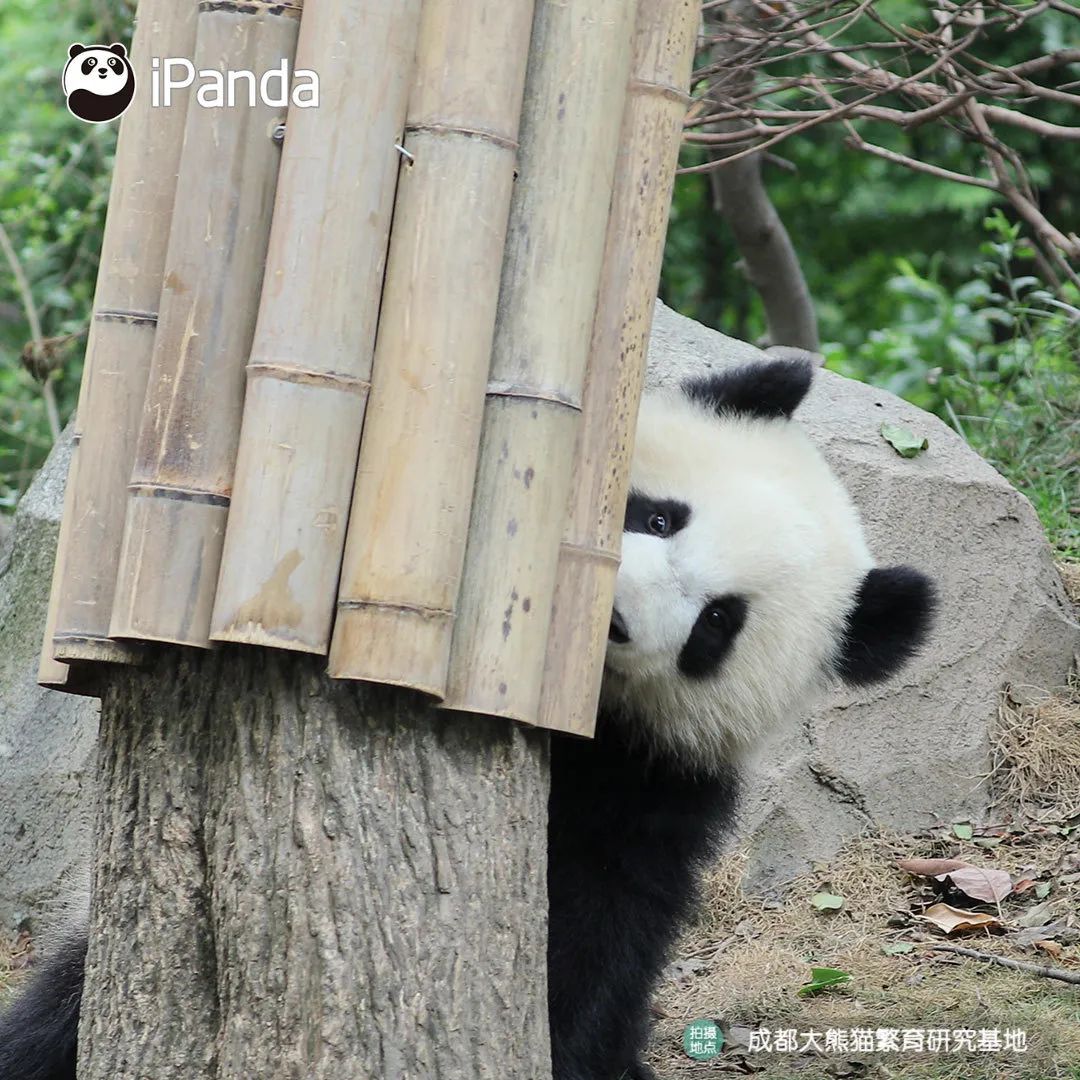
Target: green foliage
(54, 174)
(998, 358)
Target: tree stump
(297, 878)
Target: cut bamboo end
(502, 623)
(574, 101)
(397, 646)
(308, 377)
(120, 343)
(651, 135)
(577, 640)
(95, 650)
(417, 466)
(160, 594)
(186, 451)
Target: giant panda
(745, 585)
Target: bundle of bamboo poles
(368, 393)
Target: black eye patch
(717, 626)
(660, 517)
(88, 65)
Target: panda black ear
(75, 50)
(893, 613)
(770, 390)
(119, 50)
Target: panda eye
(114, 64)
(659, 525)
(716, 617)
(88, 65)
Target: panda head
(745, 581)
(99, 82)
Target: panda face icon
(99, 82)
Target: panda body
(745, 585)
(98, 81)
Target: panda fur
(99, 82)
(745, 586)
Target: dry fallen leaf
(1039, 915)
(990, 886)
(1051, 947)
(953, 921)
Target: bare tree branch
(777, 69)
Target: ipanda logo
(99, 84)
(98, 81)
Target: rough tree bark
(301, 878)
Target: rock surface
(899, 755)
(46, 738)
(915, 749)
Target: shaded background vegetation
(922, 286)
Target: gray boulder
(916, 749)
(46, 738)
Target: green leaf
(962, 830)
(898, 948)
(823, 979)
(904, 441)
(824, 901)
(1042, 889)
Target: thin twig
(32, 317)
(1044, 971)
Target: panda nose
(617, 632)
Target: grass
(1035, 444)
(746, 958)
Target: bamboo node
(131, 318)
(179, 494)
(664, 90)
(533, 393)
(483, 134)
(589, 554)
(351, 384)
(421, 610)
(289, 8)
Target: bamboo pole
(310, 366)
(571, 121)
(118, 351)
(585, 589)
(180, 485)
(410, 512)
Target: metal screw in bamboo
(119, 349)
(574, 99)
(651, 135)
(310, 366)
(410, 511)
(186, 452)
